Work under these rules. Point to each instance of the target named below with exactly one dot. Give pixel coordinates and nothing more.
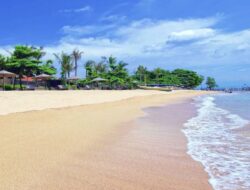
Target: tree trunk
(76, 68)
(14, 84)
(20, 82)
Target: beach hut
(5, 74)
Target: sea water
(219, 138)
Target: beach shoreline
(58, 142)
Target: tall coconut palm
(76, 56)
(89, 67)
(66, 64)
(101, 68)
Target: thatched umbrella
(73, 78)
(5, 74)
(99, 80)
(43, 77)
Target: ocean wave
(213, 141)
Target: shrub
(7, 87)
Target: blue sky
(211, 37)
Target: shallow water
(218, 138)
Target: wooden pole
(3, 83)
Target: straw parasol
(73, 78)
(6, 74)
(99, 80)
(43, 77)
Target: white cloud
(187, 43)
(86, 30)
(79, 10)
(113, 18)
(138, 38)
(192, 34)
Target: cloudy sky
(211, 37)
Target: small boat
(228, 91)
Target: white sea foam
(214, 142)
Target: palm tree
(159, 73)
(76, 55)
(39, 52)
(89, 65)
(100, 68)
(118, 73)
(141, 73)
(66, 64)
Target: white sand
(22, 101)
(87, 147)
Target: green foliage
(141, 74)
(76, 56)
(109, 68)
(24, 60)
(7, 87)
(211, 83)
(2, 62)
(90, 69)
(47, 68)
(65, 61)
(179, 77)
(188, 79)
(117, 74)
(27, 60)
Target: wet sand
(149, 153)
(101, 146)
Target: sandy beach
(97, 140)
(22, 101)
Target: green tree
(2, 62)
(41, 53)
(211, 83)
(76, 55)
(24, 61)
(158, 75)
(117, 74)
(101, 68)
(47, 68)
(89, 68)
(141, 74)
(66, 64)
(188, 79)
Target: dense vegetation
(28, 61)
(179, 77)
(211, 83)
